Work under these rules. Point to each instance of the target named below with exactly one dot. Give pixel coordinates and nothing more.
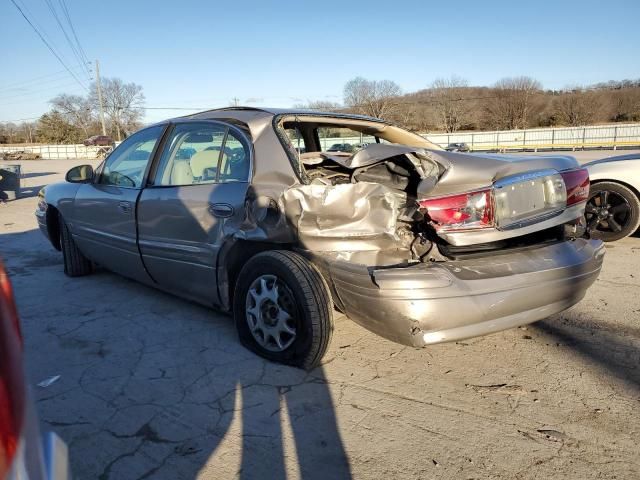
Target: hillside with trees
(451, 105)
(447, 105)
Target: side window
(234, 164)
(200, 153)
(343, 139)
(295, 137)
(126, 165)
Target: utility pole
(99, 88)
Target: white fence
(54, 152)
(563, 138)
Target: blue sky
(203, 54)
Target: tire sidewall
(268, 265)
(634, 202)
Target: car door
(104, 213)
(199, 184)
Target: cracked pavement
(153, 386)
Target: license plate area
(528, 198)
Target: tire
(612, 211)
(75, 263)
(301, 293)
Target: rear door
(104, 214)
(199, 185)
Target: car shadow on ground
(615, 350)
(153, 386)
(37, 174)
(27, 192)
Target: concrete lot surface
(153, 386)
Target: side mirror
(80, 174)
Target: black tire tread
(317, 300)
(75, 263)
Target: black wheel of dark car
(612, 211)
(75, 263)
(283, 310)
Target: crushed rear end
(423, 246)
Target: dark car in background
(98, 141)
(24, 454)
(341, 147)
(457, 147)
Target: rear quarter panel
(623, 171)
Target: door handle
(125, 207)
(223, 210)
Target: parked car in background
(613, 209)
(23, 453)
(416, 244)
(341, 147)
(457, 147)
(98, 141)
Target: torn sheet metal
(359, 216)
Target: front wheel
(612, 211)
(282, 309)
(75, 263)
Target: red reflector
(12, 388)
(577, 183)
(461, 212)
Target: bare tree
(324, 105)
(76, 110)
(376, 98)
(511, 107)
(123, 104)
(576, 106)
(448, 94)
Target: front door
(104, 213)
(200, 185)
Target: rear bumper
(441, 302)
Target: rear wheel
(282, 309)
(612, 211)
(75, 263)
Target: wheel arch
(232, 257)
(53, 226)
(635, 191)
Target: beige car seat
(205, 159)
(181, 173)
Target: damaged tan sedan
(259, 213)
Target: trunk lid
(465, 172)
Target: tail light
(511, 202)
(12, 387)
(466, 211)
(577, 183)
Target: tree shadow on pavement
(153, 386)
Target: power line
(65, 10)
(45, 91)
(36, 80)
(47, 44)
(74, 48)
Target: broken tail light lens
(461, 212)
(577, 182)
